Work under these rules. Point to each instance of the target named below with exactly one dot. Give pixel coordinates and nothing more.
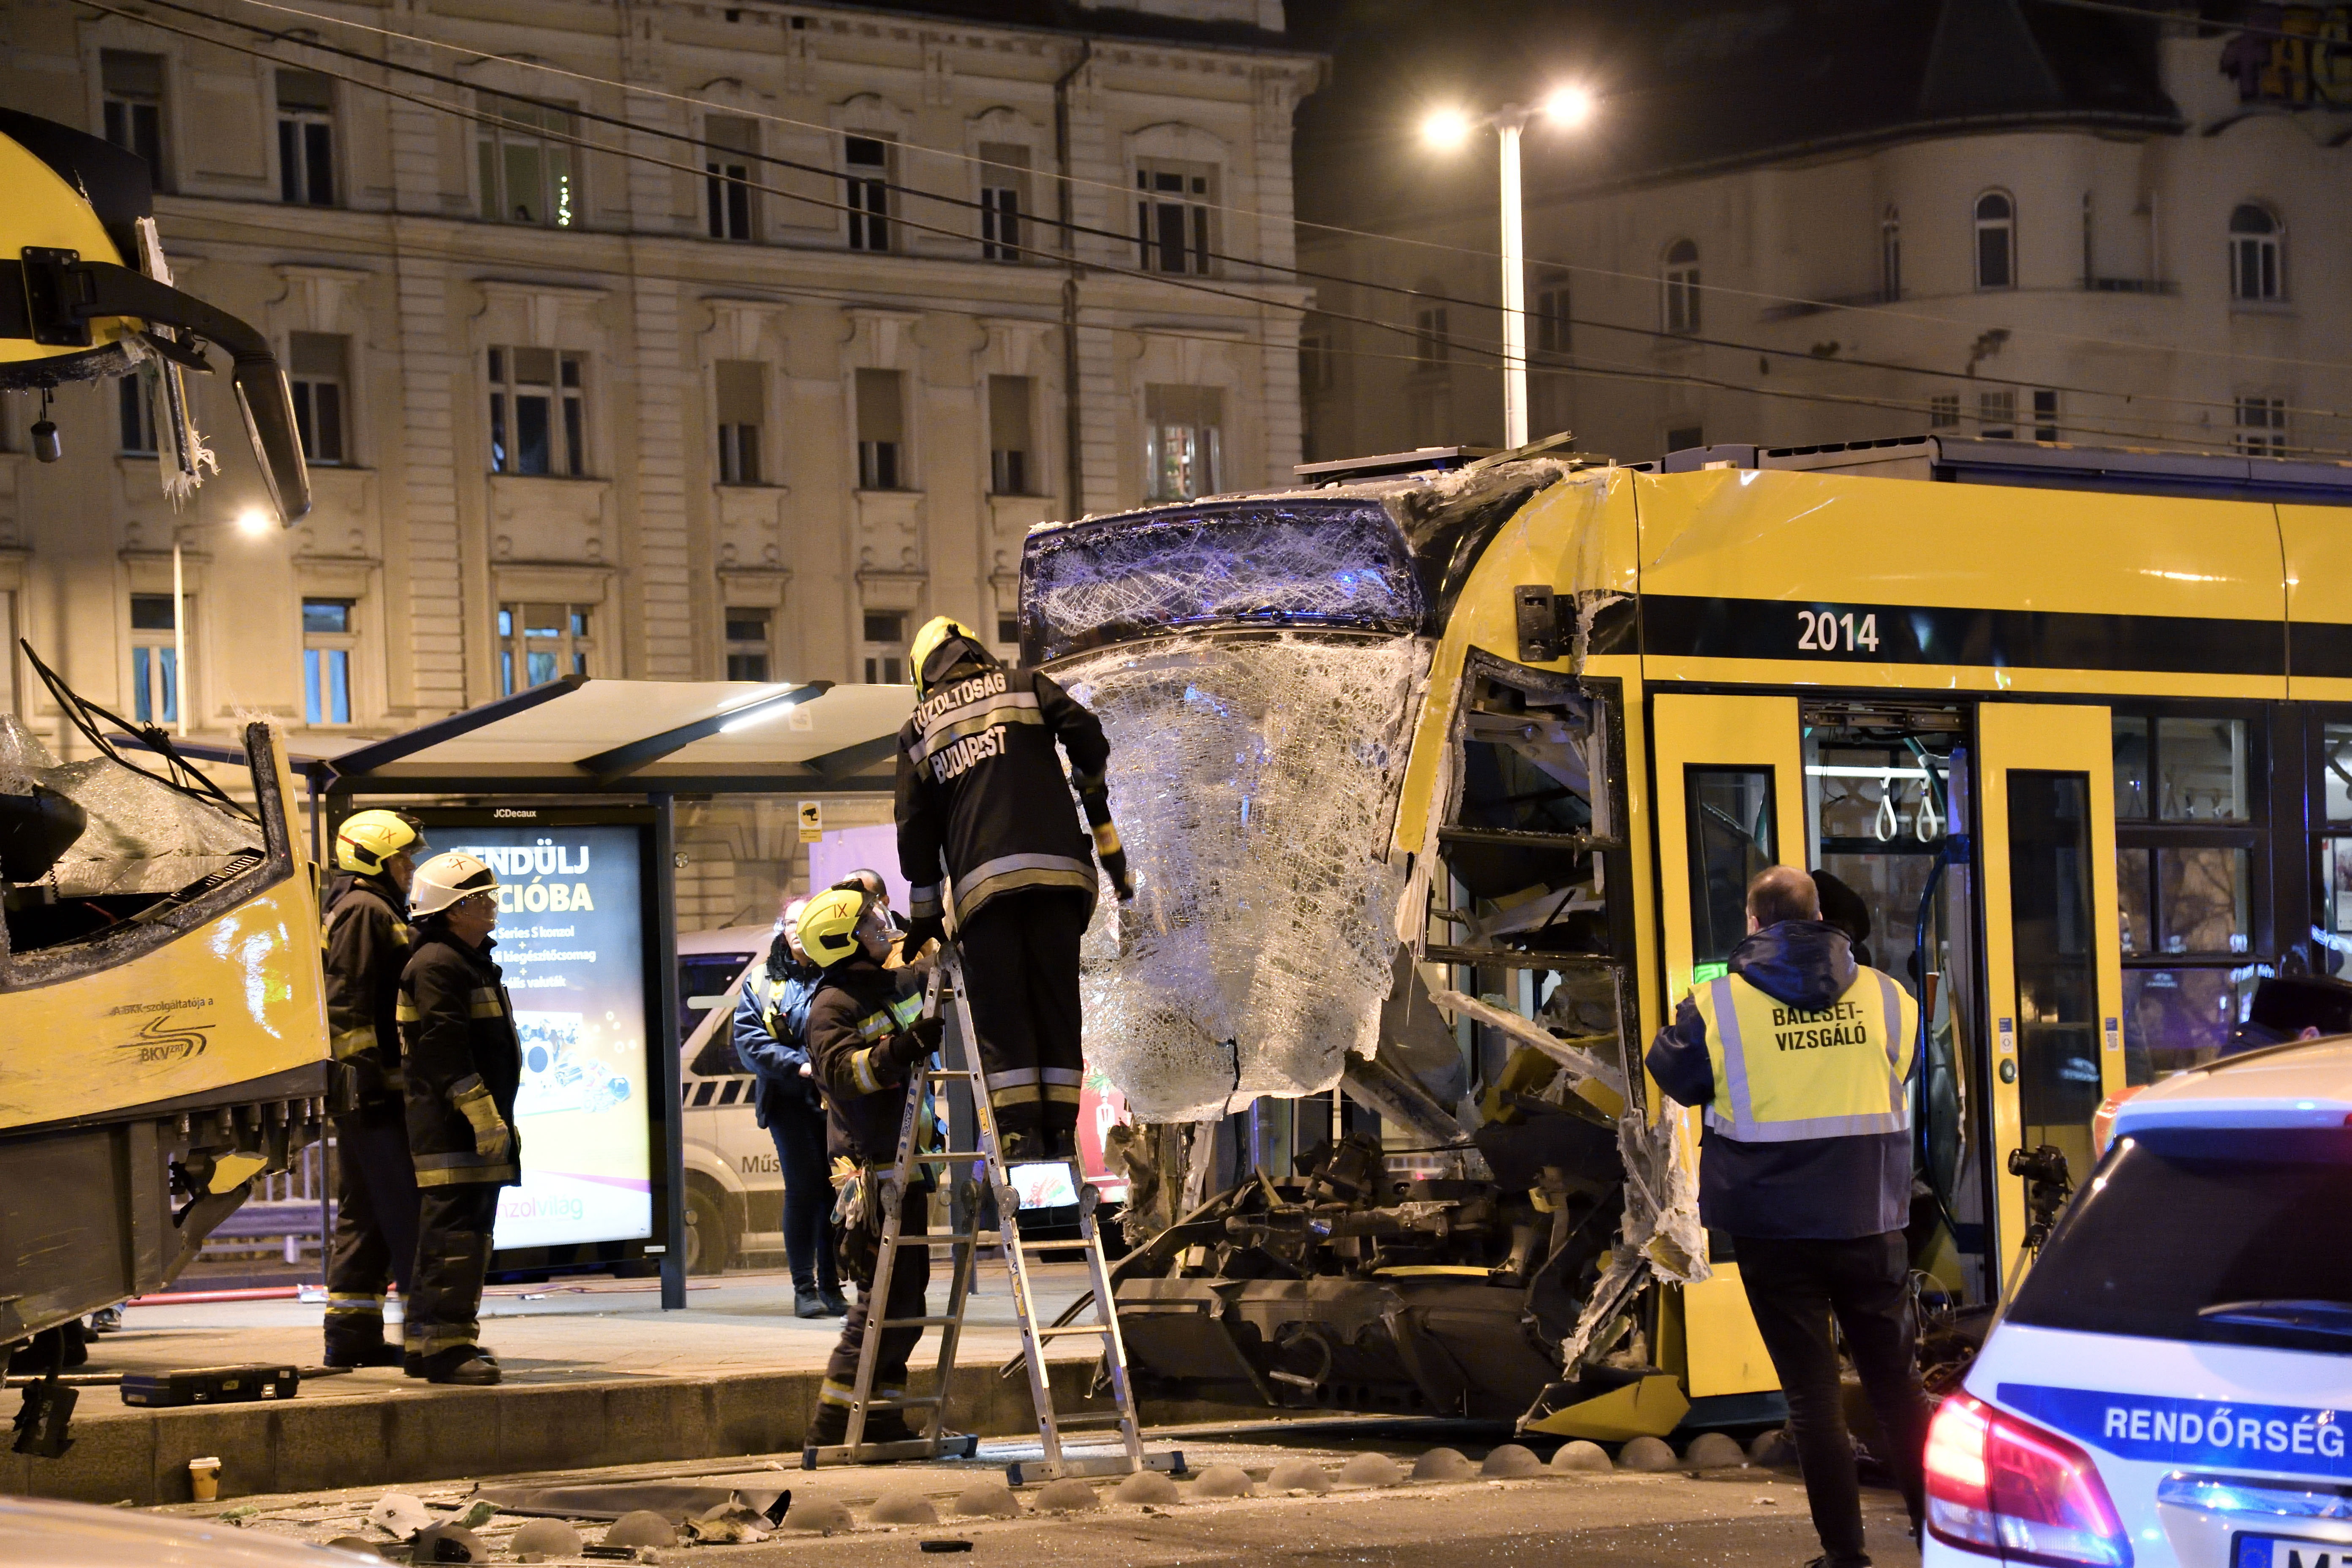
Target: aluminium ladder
(947, 986)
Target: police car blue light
(2170, 1386)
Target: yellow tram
(2075, 724)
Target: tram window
(2336, 758)
(2201, 770)
(1730, 812)
(2057, 960)
(2178, 1018)
(2131, 768)
(2336, 870)
(2189, 900)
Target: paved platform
(597, 1373)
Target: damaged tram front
(1373, 860)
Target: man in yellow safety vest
(1800, 1056)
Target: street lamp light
(1449, 128)
(252, 523)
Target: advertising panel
(571, 939)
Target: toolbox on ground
(210, 1386)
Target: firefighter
(866, 1033)
(462, 1063)
(770, 1034)
(985, 829)
(366, 935)
(1800, 1056)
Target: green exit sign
(1706, 972)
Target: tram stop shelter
(580, 742)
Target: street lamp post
(1569, 106)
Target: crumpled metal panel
(1253, 778)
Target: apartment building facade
(653, 339)
(2094, 229)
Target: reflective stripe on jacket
(1783, 1073)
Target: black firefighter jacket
(982, 793)
(462, 1061)
(858, 1006)
(367, 941)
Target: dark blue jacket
(775, 1055)
(1822, 1188)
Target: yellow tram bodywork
(202, 1046)
(2238, 583)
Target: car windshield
(2220, 1235)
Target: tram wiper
(2307, 1316)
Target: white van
(734, 1191)
(2171, 1385)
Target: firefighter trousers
(453, 1256)
(910, 1280)
(1021, 968)
(375, 1244)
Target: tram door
(1731, 801)
(2053, 974)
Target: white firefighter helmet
(447, 879)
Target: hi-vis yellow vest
(1783, 1073)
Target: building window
(1890, 256)
(1431, 346)
(155, 660)
(747, 643)
(2261, 427)
(527, 173)
(742, 396)
(2045, 413)
(866, 178)
(881, 430)
(540, 643)
(136, 415)
(730, 143)
(885, 648)
(1685, 438)
(328, 638)
(315, 375)
(1173, 202)
(1008, 627)
(1682, 306)
(1551, 327)
(1944, 411)
(1996, 241)
(1997, 415)
(2255, 235)
(1183, 441)
(1004, 197)
(132, 88)
(1011, 463)
(306, 138)
(538, 419)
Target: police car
(2171, 1385)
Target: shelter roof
(580, 735)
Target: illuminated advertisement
(570, 941)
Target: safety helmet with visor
(835, 923)
(448, 879)
(366, 841)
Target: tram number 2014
(1831, 631)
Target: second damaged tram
(1444, 779)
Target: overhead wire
(1580, 365)
(1184, 283)
(1879, 311)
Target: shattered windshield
(1340, 562)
